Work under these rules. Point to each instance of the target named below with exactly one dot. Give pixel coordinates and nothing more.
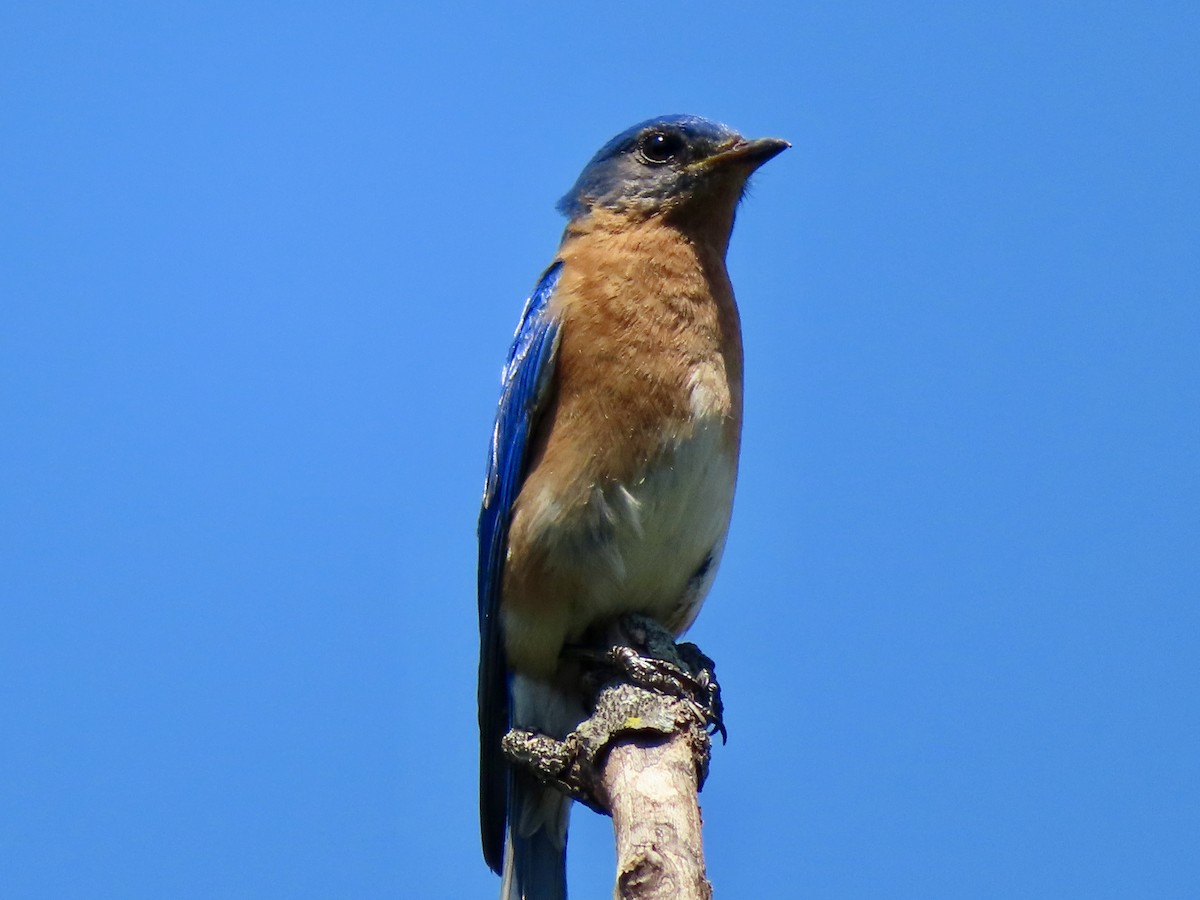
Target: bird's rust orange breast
(648, 323)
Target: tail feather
(535, 852)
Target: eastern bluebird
(614, 454)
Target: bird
(614, 453)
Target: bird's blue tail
(535, 851)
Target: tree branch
(649, 785)
(641, 757)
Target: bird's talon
(690, 677)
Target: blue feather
(526, 381)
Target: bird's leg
(650, 658)
(642, 684)
(646, 655)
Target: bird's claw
(692, 679)
(642, 660)
(646, 655)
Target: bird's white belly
(656, 542)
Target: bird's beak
(742, 152)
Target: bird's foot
(644, 685)
(646, 654)
(624, 711)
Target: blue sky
(259, 265)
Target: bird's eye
(660, 147)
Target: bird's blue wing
(527, 382)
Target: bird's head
(671, 164)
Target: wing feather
(527, 379)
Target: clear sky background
(259, 265)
